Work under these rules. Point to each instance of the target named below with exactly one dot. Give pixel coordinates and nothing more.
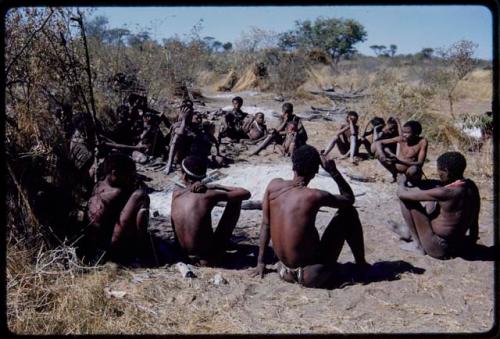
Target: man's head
(412, 130)
(259, 118)
(237, 103)
(306, 161)
(451, 166)
(193, 168)
(287, 108)
(120, 169)
(392, 125)
(187, 103)
(377, 121)
(196, 119)
(353, 116)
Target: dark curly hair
(453, 162)
(287, 107)
(238, 100)
(119, 162)
(415, 126)
(306, 160)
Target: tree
(377, 49)
(335, 36)
(137, 40)
(227, 46)
(392, 50)
(427, 52)
(97, 27)
(457, 61)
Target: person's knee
(349, 211)
(414, 173)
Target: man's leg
(353, 147)
(130, 233)
(344, 226)
(226, 225)
(414, 174)
(171, 152)
(264, 144)
(389, 165)
(420, 227)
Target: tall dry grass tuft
(56, 294)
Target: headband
(191, 174)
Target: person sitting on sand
(278, 135)
(452, 207)
(380, 131)
(346, 139)
(291, 140)
(202, 146)
(191, 214)
(412, 153)
(182, 135)
(122, 132)
(232, 126)
(118, 213)
(289, 210)
(152, 139)
(255, 128)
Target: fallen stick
(246, 205)
(360, 178)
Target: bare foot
(412, 247)
(401, 230)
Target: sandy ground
(404, 292)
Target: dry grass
(56, 295)
(477, 86)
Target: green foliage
(335, 36)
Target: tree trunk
(450, 100)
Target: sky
(411, 28)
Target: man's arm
(379, 146)
(264, 237)
(228, 193)
(416, 194)
(346, 196)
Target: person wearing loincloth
(289, 210)
(232, 126)
(451, 208)
(412, 152)
(182, 135)
(191, 214)
(278, 135)
(255, 128)
(292, 140)
(346, 138)
(118, 214)
(380, 130)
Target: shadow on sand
(348, 274)
(479, 252)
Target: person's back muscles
(289, 215)
(191, 213)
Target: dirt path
(405, 292)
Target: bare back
(292, 214)
(191, 217)
(457, 211)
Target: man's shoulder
(276, 183)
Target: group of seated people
(441, 216)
